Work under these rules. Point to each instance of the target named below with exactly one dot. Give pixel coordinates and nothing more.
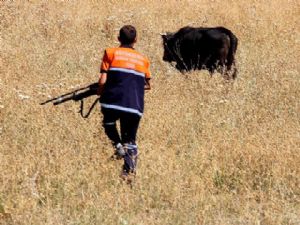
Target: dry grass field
(211, 151)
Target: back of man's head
(127, 35)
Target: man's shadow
(77, 95)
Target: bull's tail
(231, 53)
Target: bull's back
(202, 41)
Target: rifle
(77, 95)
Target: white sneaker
(120, 150)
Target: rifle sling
(90, 110)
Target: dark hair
(127, 35)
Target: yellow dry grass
(212, 152)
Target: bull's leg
(180, 66)
(209, 64)
(211, 69)
(188, 63)
(234, 73)
(231, 73)
(223, 71)
(220, 66)
(223, 68)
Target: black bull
(202, 48)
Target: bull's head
(168, 44)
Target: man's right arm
(106, 61)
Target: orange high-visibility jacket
(126, 72)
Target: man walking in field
(124, 76)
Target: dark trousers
(129, 123)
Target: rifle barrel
(62, 100)
(62, 96)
